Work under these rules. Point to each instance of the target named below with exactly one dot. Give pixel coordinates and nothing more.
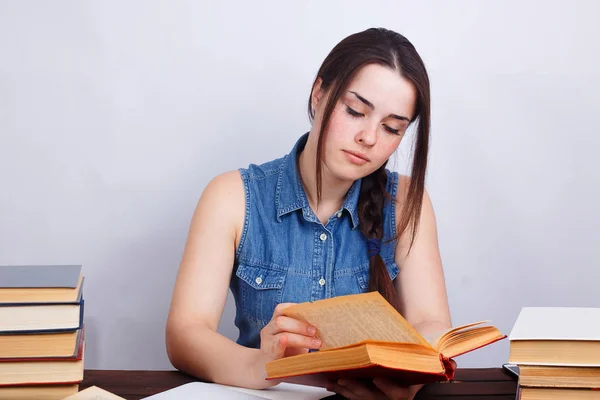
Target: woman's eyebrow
(371, 106)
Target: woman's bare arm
(420, 284)
(193, 344)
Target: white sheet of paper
(287, 391)
(200, 390)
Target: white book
(558, 336)
(557, 323)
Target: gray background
(114, 115)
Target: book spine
(22, 384)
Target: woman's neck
(333, 190)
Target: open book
(363, 336)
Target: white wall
(114, 115)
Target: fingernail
(312, 330)
(316, 342)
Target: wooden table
(469, 384)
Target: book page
(94, 393)
(437, 338)
(345, 320)
(434, 338)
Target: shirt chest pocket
(260, 289)
(358, 280)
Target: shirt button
(339, 215)
(323, 237)
(321, 281)
(258, 280)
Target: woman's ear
(317, 93)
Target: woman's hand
(379, 389)
(282, 337)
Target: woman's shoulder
(264, 170)
(225, 189)
(228, 187)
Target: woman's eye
(392, 130)
(353, 112)
(356, 114)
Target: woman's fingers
(285, 333)
(281, 323)
(346, 392)
(280, 307)
(391, 389)
(381, 388)
(359, 389)
(286, 324)
(279, 345)
(293, 340)
(284, 341)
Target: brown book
(556, 336)
(565, 377)
(41, 294)
(46, 370)
(38, 392)
(364, 336)
(527, 393)
(58, 344)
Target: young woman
(328, 219)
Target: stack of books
(41, 331)
(557, 350)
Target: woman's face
(368, 121)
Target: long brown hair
(388, 48)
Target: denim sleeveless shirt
(286, 254)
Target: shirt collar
(290, 195)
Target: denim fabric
(286, 254)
